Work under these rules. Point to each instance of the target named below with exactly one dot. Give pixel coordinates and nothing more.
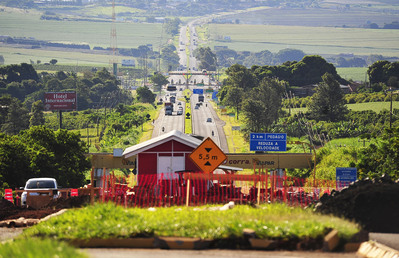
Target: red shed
(164, 155)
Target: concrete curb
(113, 243)
(376, 250)
(53, 215)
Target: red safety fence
(199, 189)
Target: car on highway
(41, 183)
(209, 120)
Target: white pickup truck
(43, 183)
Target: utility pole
(114, 47)
(390, 113)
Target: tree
(53, 61)
(57, 154)
(53, 85)
(61, 75)
(40, 152)
(207, 59)
(241, 77)
(37, 116)
(262, 106)
(169, 56)
(381, 157)
(310, 70)
(253, 114)
(234, 98)
(17, 118)
(172, 26)
(145, 95)
(289, 54)
(18, 73)
(328, 102)
(14, 162)
(376, 71)
(159, 80)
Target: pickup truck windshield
(35, 184)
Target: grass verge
(149, 126)
(235, 139)
(276, 221)
(35, 247)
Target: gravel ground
(9, 233)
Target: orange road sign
(208, 156)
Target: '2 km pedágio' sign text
(268, 142)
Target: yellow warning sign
(208, 156)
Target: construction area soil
(374, 204)
(9, 211)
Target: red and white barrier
(74, 192)
(8, 195)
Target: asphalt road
(390, 240)
(159, 253)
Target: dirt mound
(9, 211)
(72, 202)
(374, 204)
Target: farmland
(93, 33)
(311, 40)
(326, 31)
(354, 73)
(327, 16)
(375, 106)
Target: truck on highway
(200, 98)
(168, 108)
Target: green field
(311, 40)
(275, 31)
(24, 55)
(353, 73)
(375, 106)
(329, 15)
(129, 35)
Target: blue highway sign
(268, 142)
(345, 176)
(198, 91)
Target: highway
(204, 120)
(174, 122)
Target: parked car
(209, 120)
(43, 183)
(180, 112)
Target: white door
(167, 165)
